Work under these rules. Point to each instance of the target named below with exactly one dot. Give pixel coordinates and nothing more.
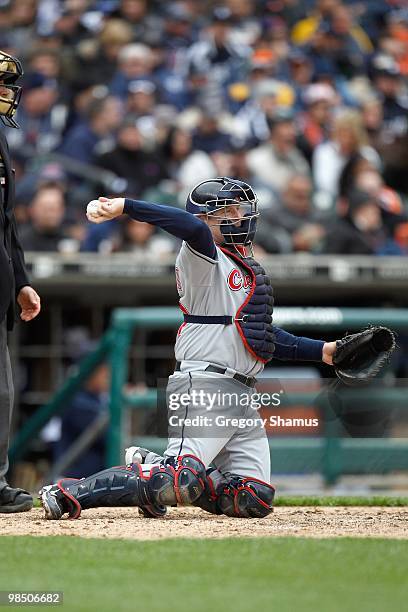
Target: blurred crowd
(307, 101)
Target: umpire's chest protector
(254, 317)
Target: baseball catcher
(224, 342)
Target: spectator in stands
(393, 212)
(267, 197)
(392, 133)
(373, 118)
(85, 407)
(292, 225)
(297, 69)
(44, 61)
(41, 118)
(349, 138)
(178, 28)
(46, 230)
(146, 26)
(82, 100)
(276, 160)
(21, 24)
(220, 58)
(305, 28)
(361, 230)
(387, 80)
(251, 121)
(33, 179)
(94, 59)
(338, 16)
(50, 63)
(355, 165)
(314, 124)
(129, 160)
(350, 45)
(135, 61)
(184, 165)
(393, 40)
(68, 23)
(141, 105)
(142, 239)
(208, 136)
(83, 140)
(247, 27)
(371, 181)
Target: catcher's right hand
(359, 357)
(107, 209)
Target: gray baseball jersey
(212, 287)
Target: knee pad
(177, 481)
(245, 498)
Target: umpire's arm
(17, 258)
(27, 298)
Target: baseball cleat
(136, 454)
(53, 506)
(57, 501)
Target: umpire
(14, 284)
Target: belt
(248, 381)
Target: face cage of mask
(8, 106)
(227, 225)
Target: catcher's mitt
(359, 357)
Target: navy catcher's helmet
(215, 195)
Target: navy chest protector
(254, 317)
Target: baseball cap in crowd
(142, 86)
(262, 59)
(178, 12)
(36, 80)
(385, 65)
(281, 91)
(281, 114)
(319, 92)
(358, 198)
(266, 88)
(297, 56)
(52, 172)
(221, 14)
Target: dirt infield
(319, 522)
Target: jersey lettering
(236, 281)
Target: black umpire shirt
(13, 274)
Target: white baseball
(92, 208)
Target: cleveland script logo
(237, 281)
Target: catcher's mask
(10, 94)
(216, 195)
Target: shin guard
(114, 487)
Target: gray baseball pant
(6, 402)
(240, 449)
